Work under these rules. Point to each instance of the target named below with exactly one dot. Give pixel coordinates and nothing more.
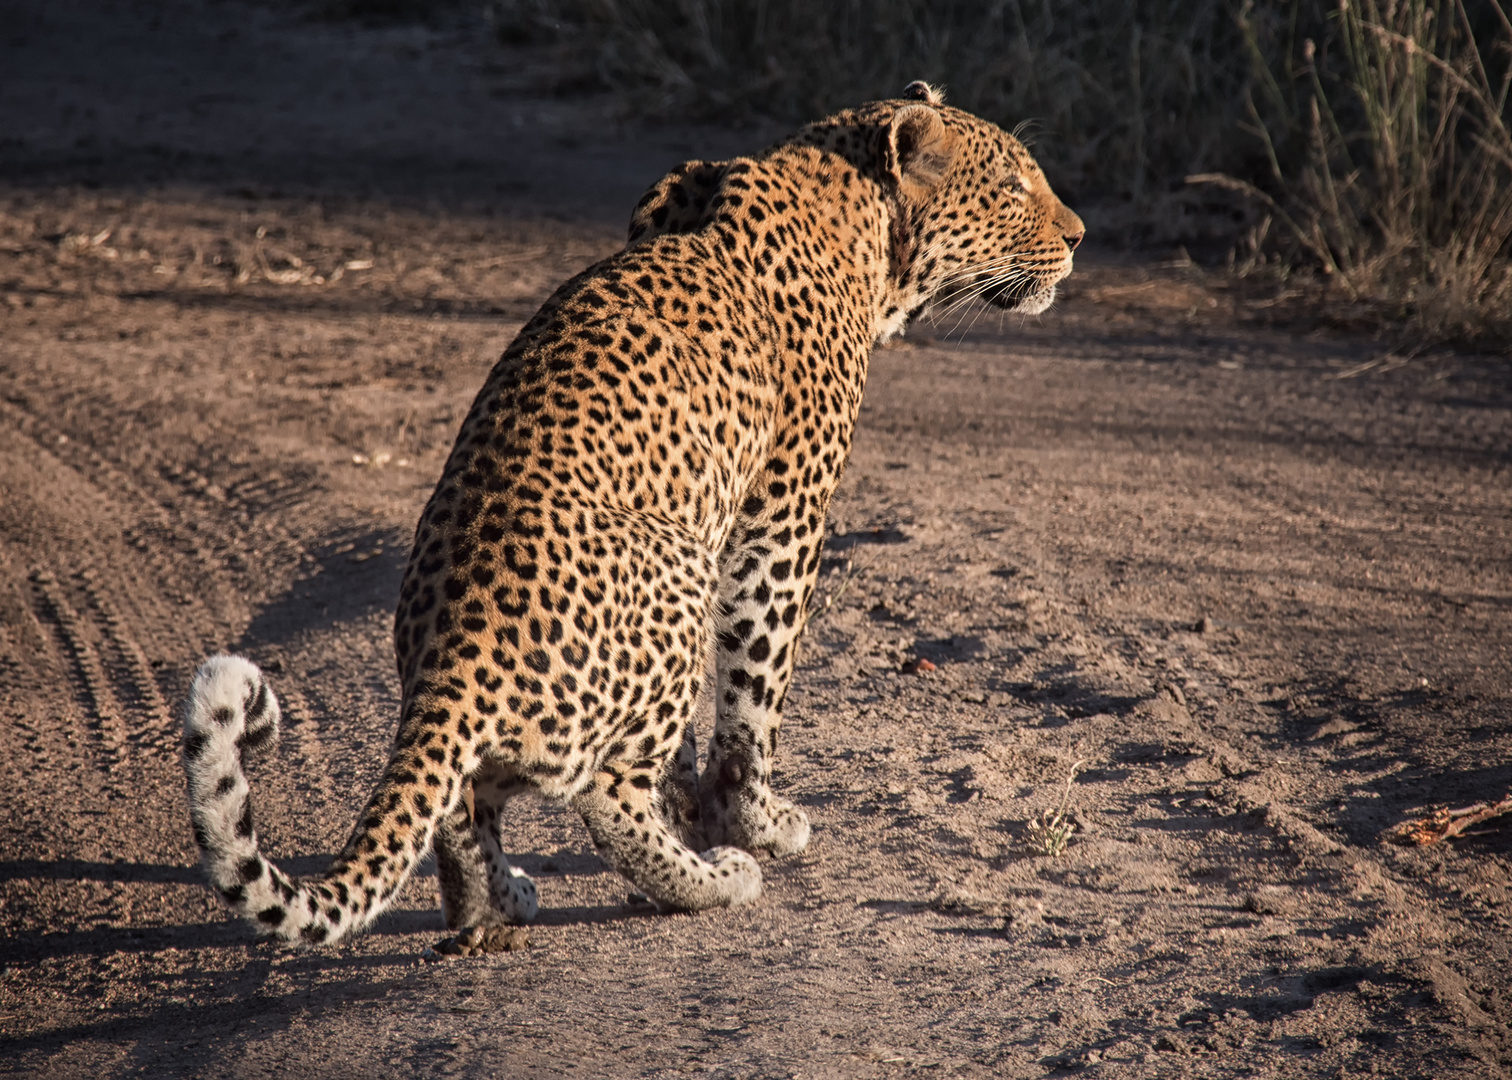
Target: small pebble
(917, 667)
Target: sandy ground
(1251, 585)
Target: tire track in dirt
(123, 697)
(311, 761)
(205, 541)
(104, 716)
(27, 671)
(134, 679)
(127, 571)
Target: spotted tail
(232, 714)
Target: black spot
(257, 704)
(194, 745)
(223, 716)
(244, 823)
(255, 738)
(250, 869)
(273, 916)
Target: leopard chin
(1035, 302)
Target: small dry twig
(1444, 823)
(822, 608)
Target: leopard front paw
(739, 809)
(767, 824)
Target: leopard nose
(1071, 227)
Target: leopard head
(972, 215)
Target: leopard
(634, 508)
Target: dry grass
(1363, 139)
(1388, 149)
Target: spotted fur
(641, 486)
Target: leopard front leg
(766, 580)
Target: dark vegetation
(1359, 148)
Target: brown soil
(1253, 586)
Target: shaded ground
(1258, 583)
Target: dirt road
(1251, 586)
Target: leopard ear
(919, 90)
(917, 149)
(677, 202)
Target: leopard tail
(231, 715)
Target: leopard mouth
(1024, 297)
(1026, 293)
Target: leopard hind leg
(621, 809)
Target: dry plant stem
(1048, 834)
(852, 570)
(1442, 824)
(1242, 187)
